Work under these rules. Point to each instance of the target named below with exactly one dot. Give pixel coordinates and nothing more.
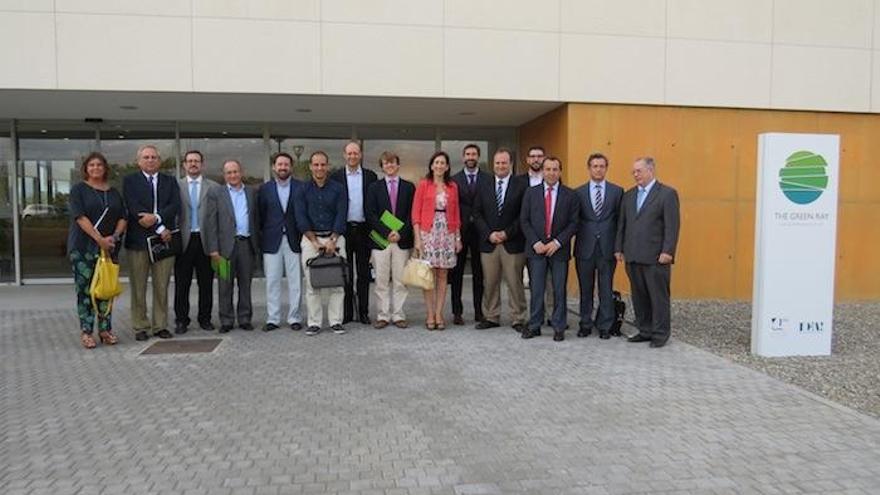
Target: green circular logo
(804, 177)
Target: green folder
(390, 221)
(222, 267)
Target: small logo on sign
(804, 177)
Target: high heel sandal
(440, 324)
(87, 341)
(430, 325)
(108, 337)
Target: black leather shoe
(484, 324)
(164, 334)
(584, 332)
(246, 326)
(638, 338)
(364, 319)
(141, 336)
(478, 317)
(658, 343)
(268, 327)
(536, 332)
(180, 329)
(225, 328)
(519, 327)
(207, 326)
(296, 326)
(527, 334)
(457, 320)
(559, 335)
(604, 335)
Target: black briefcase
(619, 312)
(327, 271)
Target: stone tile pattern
(408, 412)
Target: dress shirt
(323, 211)
(535, 178)
(194, 199)
(283, 188)
(240, 206)
(597, 185)
(355, 181)
(647, 190)
(154, 180)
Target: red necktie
(548, 209)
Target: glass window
(456, 148)
(7, 237)
(413, 155)
(302, 148)
(120, 142)
(219, 143)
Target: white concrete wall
(787, 54)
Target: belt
(324, 233)
(439, 210)
(355, 224)
(242, 237)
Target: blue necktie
(194, 205)
(640, 199)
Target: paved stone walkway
(404, 412)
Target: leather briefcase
(327, 271)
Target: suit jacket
(597, 233)
(219, 229)
(466, 198)
(563, 224)
(377, 201)
(643, 235)
(275, 224)
(368, 177)
(184, 222)
(139, 198)
(487, 219)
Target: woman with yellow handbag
(97, 214)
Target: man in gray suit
(599, 202)
(193, 257)
(647, 235)
(231, 236)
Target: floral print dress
(440, 242)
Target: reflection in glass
(251, 152)
(302, 149)
(413, 155)
(456, 148)
(7, 237)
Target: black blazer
(564, 222)
(139, 198)
(273, 221)
(466, 198)
(487, 219)
(377, 201)
(643, 235)
(597, 233)
(368, 176)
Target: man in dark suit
(193, 191)
(153, 201)
(549, 219)
(280, 243)
(356, 179)
(647, 235)
(496, 215)
(231, 235)
(393, 195)
(599, 202)
(467, 180)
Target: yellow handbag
(105, 281)
(418, 273)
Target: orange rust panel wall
(710, 157)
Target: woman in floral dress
(436, 224)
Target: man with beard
(468, 180)
(280, 242)
(535, 162)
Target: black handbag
(327, 271)
(619, 312)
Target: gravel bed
(850, 376)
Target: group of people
(505, 224)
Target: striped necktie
(598, 203)
(499, 196)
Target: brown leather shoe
(457, 320)
(401, 324)
(380, 324)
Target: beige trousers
(140, 269)
(390, 291)
(497, 266)
(315, 298)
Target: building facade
(690, 82)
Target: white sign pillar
(795, 238)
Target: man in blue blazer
(599, 202)
(549, 219)
(153, 201)
(280, 243)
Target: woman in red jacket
(436, 224)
